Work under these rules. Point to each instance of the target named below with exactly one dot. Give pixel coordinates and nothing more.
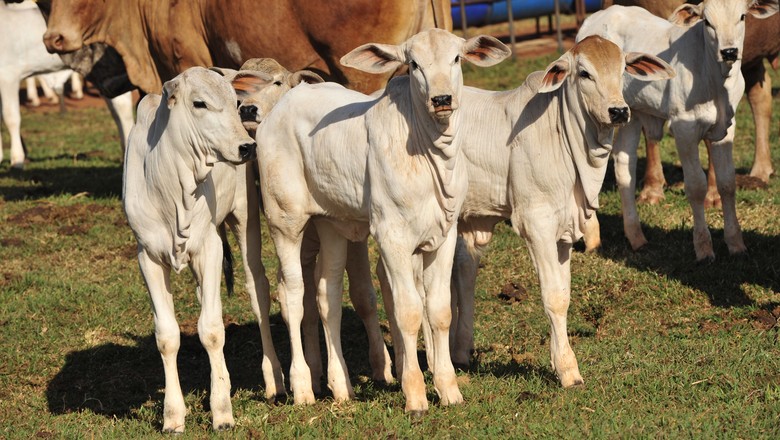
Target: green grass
(668, 347)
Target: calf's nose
(247, 151)
(53, 41)
(729, 54)
(618, 115)
(442, 100)
(248, 112)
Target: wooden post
(463, 19)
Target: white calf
(184, 176)
(388, 165)
(699, 103)
(537, 155)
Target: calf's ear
(484, 51)
(306, 76)
(246, 83)
(555, 75)
(375, 58)
(763, 8)
(170, 92)
(229, 74)
(687, 15)
(648, 67)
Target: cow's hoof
(224, 426)
(651, 196)
(417, 415)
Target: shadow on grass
(670, 253)
(36, 183)
(117, 380)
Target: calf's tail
(227, 260)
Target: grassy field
(667, 347)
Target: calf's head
(433, 57)
(724, 25)
(259, 85)
(202, 114)
(593, 72)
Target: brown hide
(160, 38)
(762, 40)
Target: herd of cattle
(425, 165)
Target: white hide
(25, 55)
(699, 103)
(386, 164)
(184, 176)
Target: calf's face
(724, 25)
(434, 58)
(203, 113)
(593, 70)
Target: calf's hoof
(651, 196)
(225, 426)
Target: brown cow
(159, 38)
(762, 41)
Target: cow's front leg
(653, 186)
(687, 137)
(167, 335)
(464, 278)
(407, 311)
(723, 162)
(552, 262)
(245, 223)
(330, 281)
(758, 83)
(436, 282)
(211, 330)
(9, 90)
(624, 155)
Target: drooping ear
(170, 92)
(687, 15)
(763, 8)
(375, 58)
(555, 75)
(247, 83)
(306, 76)
(229, 74)
(648, 67)
(484, 51)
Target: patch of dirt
(57, 214)
(764, 319)
(745, 181)
(12, 242)
(513, 293)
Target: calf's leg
(330, 282)
(167, 335)
(363, 297)
(206, 266)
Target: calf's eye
(412, 65)
(457, 59)
(584, 74)
(742, 18)
(277, 83)
(199, 104)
